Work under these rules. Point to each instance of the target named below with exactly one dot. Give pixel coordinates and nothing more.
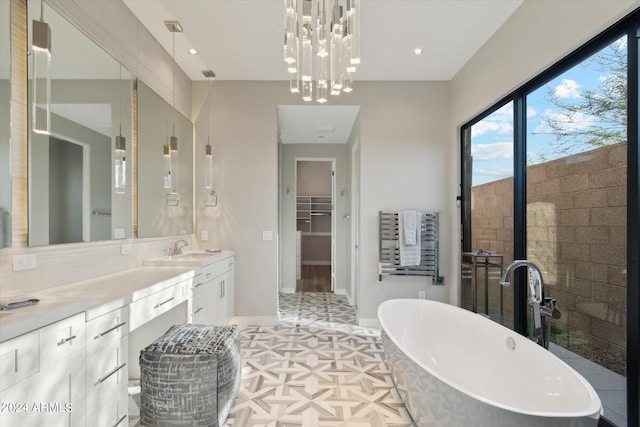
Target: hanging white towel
(409, 227)
(409, 254)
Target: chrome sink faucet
(541, 306)
(176, 249)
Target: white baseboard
(243, 321)
(369, 322)
(288, 290)
(340, 292)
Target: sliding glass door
(550, 174)
(489, 167)
(576, 193)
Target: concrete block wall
(576, 232)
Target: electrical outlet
(267, 235)
(118, 233)
(24, 262)
(422, 294)
(204, 235)
(125, 250)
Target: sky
(492, 137)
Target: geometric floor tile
(317, 367)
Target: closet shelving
(313, 214)
(313, 241)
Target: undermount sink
(187, 259)
(194, 255)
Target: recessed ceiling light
(192, 51)
(418, 51)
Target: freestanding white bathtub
(453, 367)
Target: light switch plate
(267, 235)
(204, 235)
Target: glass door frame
(629, 26)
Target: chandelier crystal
(321, 46)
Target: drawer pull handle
(63, 341)
(164, 302)
(198, 310)
(124, 417)
(198, 285)
(101, 334)
(103, 379)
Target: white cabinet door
(221, 301)
(204, 303)
(55, 394)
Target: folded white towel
(409, 254)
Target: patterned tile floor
(315, 368)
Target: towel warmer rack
(389, 262)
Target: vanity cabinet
(42, 376)
(107, 370)
(148, 308)
(203, 294)
(212, 293)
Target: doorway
(315, 243)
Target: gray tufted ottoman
(190, 376)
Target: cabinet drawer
(228, 263)
(213, 270)
(198, 280)
(63, 338)
(107, 373)
(113, 412)
(107, 330)
(19, 358)
(146, 309)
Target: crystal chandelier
(322, 48)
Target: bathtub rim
(595, 409)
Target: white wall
(537, 35)
(403, 146)
(403, 159)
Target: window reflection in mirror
(73, 196)
(5, 140)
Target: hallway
(315, 368)
(315, 278)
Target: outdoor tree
(594, 117)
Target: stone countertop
(95, 296)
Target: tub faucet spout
(536, 293)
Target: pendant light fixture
(120, 166)
(41, 51)
(321, 49)
(211, 199)
(208, 152)
(171, 148)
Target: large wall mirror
(79, 174)
(165, 167)
(5, 140)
